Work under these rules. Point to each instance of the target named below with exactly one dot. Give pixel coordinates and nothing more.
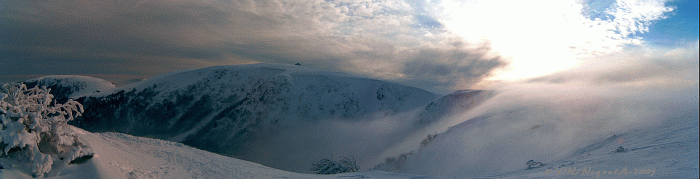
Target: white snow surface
(79, 85)
(124, 156)
(666, 150)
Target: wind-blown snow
(569, 127)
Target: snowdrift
(64, 87)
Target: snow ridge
(71, 86)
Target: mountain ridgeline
(225, 109)
(64, 87)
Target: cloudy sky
(439, 45)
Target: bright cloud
(549, 36)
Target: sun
(535, 40)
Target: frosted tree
(532, 164)
(328, 166)
(33, 129)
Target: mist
(549, 118)
(296, 145)
(546, 119)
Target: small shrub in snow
(427, 140)
(532, 164)
(396, 163)
(620, 150)
(34, 130)
(328, 166)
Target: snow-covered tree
(328, 166)
(33, 129)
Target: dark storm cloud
(147, 38)
(458, 67)
(151, 28)
(69, 37)
(439, 63)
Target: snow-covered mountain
(70, 86)
(237, 110)
(288, 117)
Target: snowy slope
(124, 156)
(71, 86)
(659, 133)
(670, 149)
(667, 150)
(239, 110)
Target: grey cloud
(151, 28)
(147, 38)
(448, 70)
(434, 62)
(631, 66)
(421, 13)
(556, 79)
(77, 37)
(426, 21)
(631, 74)
(443, 69)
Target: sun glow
(545, 37)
